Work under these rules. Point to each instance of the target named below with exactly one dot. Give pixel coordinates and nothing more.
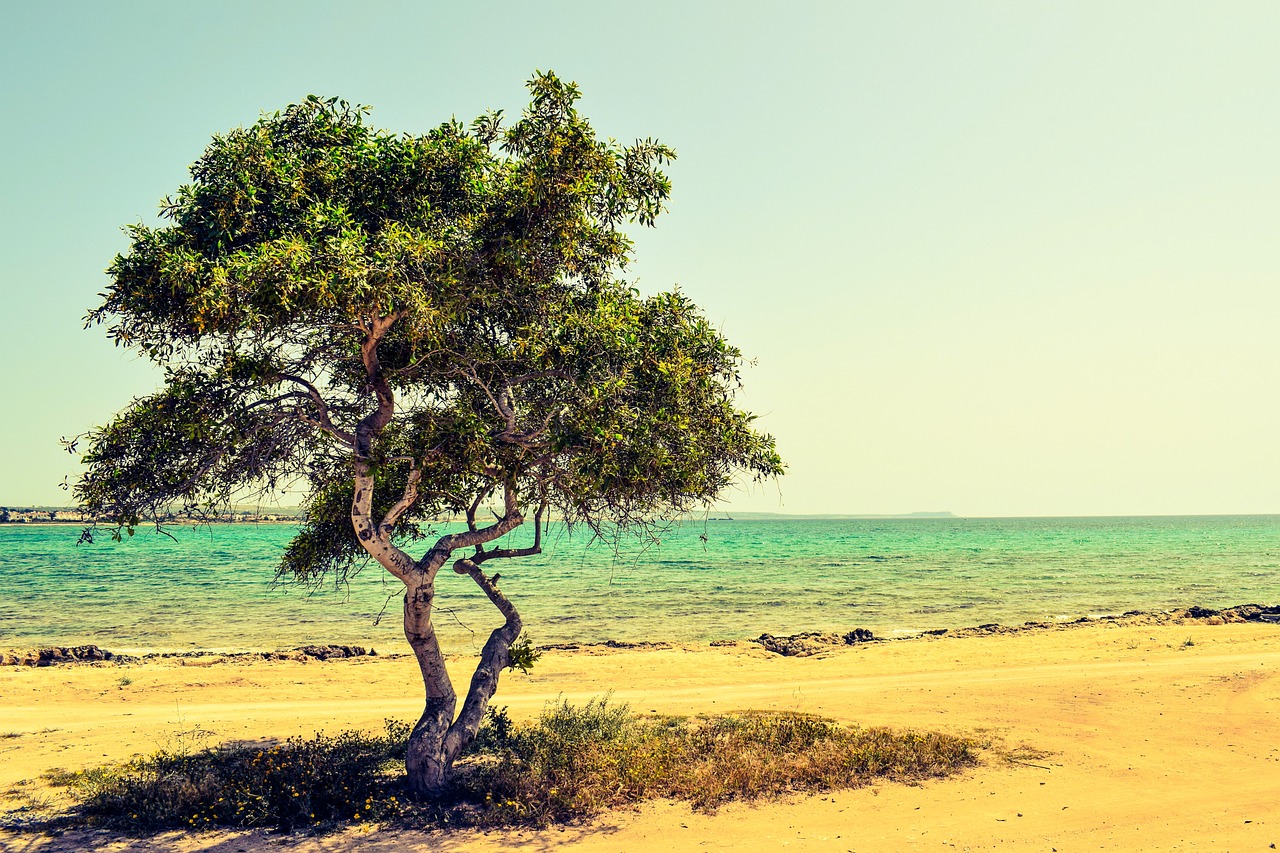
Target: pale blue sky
(998, 258)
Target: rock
(788, 646)
(329, 652)
(798, 645)
(1252, 613)
(51, 655)
(858, 635)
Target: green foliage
(511, 352)
(569, 763)
(522, 655)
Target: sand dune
(1133, 737)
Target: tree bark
(427, 762)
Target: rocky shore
(793, 645)
(815, 642)
(51, 655)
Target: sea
(213, 587)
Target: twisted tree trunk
(438, 739)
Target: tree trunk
(438, 739)
(427, 762)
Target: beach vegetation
(406, 328)
(573, 762)
(568, 764)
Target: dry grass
(570, 763)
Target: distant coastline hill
(787, 516)
(74, 515)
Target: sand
(1130, 737)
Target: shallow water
(212, 588)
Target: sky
(992, 258)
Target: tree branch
(506, 553)
(373, 538)
(504, 411)
(475, 505)
(376, 539)
(374, 422)
(468, 566)
(407, 500)
(494, 657)
(508, 521)
(322, 409)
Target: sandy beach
(1125, 737)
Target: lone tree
(410, 327)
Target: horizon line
(729, 514)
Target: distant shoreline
(286, 516)
(176, 522)
(289, 515)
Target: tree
(407, 327)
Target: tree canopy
(513, 345)
(403, 327)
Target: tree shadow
(373, 840)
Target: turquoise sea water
(212, 588)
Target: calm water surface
(212, 588)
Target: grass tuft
(568, 764)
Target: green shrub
(283, 785)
